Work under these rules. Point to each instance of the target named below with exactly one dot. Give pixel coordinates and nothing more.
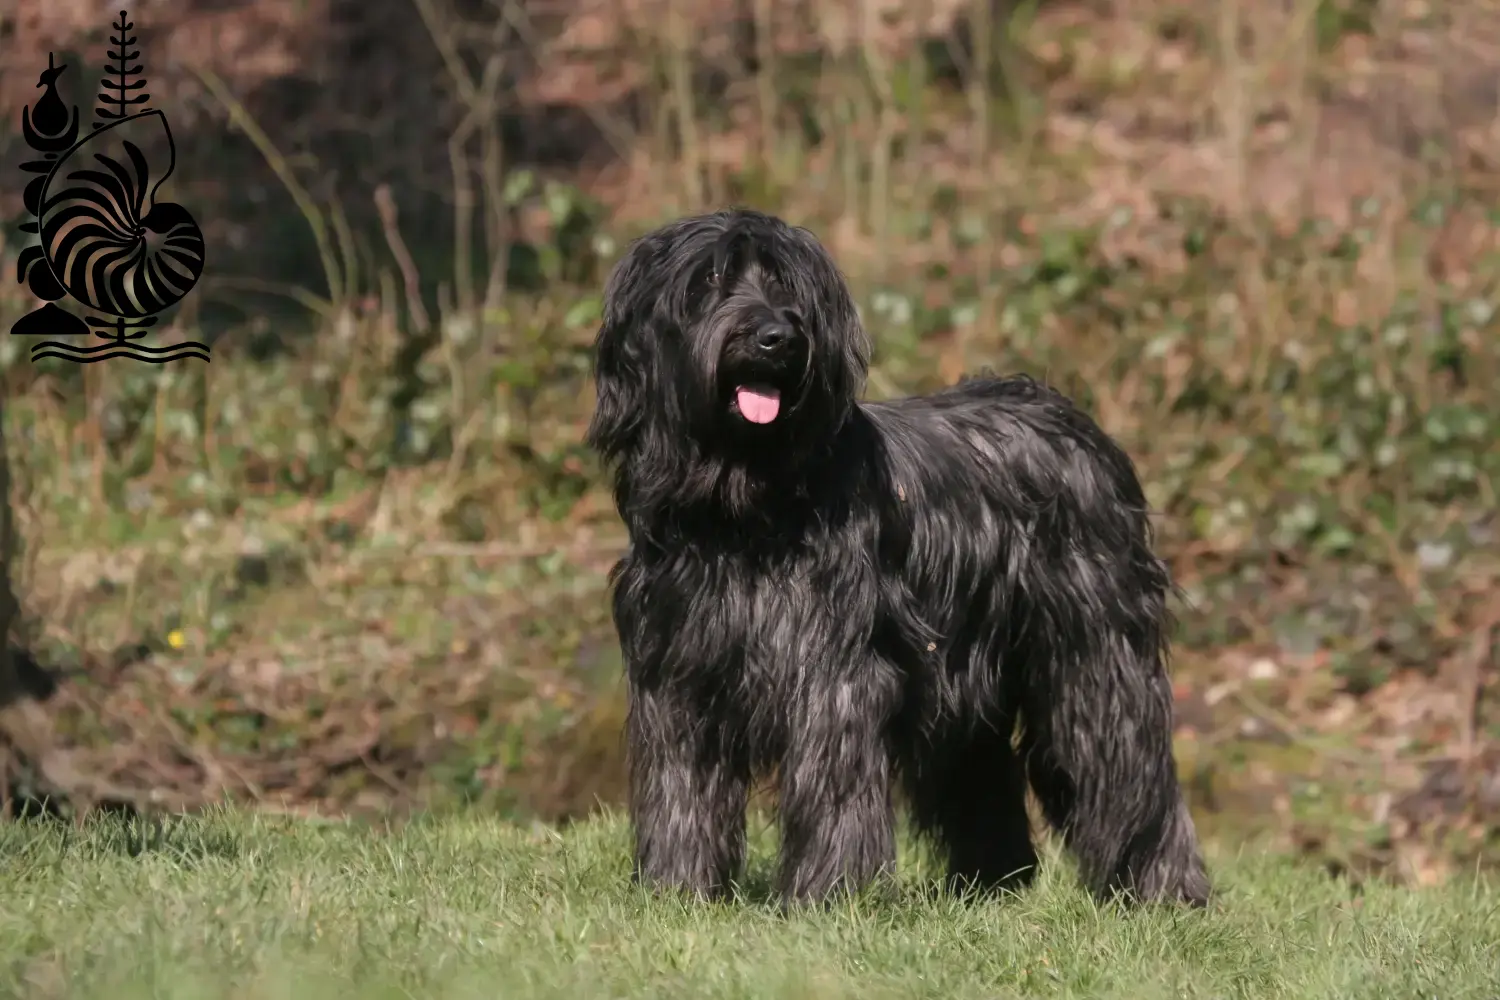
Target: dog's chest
(760, 614)
(781, 625)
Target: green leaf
(518, 186)
(585, 312)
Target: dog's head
(731, 336)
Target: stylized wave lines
(115, 349)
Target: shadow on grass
(185, 841)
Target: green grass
(243, 906)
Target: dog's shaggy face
(731, 337)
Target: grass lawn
(256, 907)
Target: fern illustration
(118, 99)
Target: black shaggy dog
(852, 594)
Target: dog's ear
(621, 371)
(845, 348)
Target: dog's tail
(1096, 719)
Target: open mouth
(758, 404)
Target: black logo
(106, 242)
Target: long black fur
(857, 594)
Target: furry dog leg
(970, 794)
(1098, 750)
(688, 789)
(837, 819)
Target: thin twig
(385, 206)
(306, 205)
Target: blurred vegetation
(358, 562)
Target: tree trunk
(25, 728)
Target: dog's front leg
(837, 823)
(688, 785)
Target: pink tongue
(757, 407)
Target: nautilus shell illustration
(109, 242)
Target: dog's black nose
(774, 335)
(771, 338)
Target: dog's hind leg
(689, 783)
(1097, 743)
(969, 794)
